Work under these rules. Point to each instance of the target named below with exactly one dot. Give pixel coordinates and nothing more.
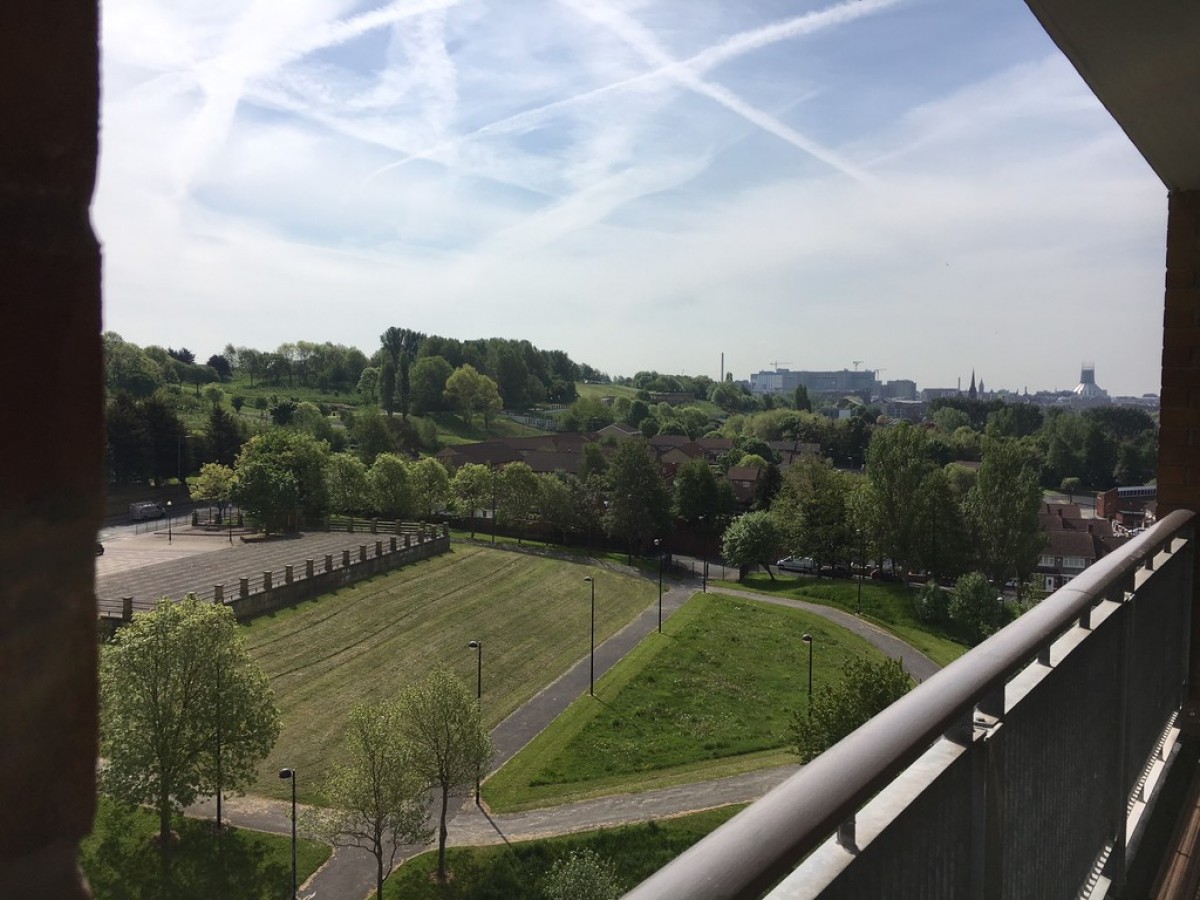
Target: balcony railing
(1023, 769)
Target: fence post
(328, 562)
(243, 588)
(126, 609)
(392, 544)
(379, 548)
(407, 541)
(308, 568)
(445, 529)
(266, 581)
(287, 574)
(218, 594)
(362, 552)
(345, 559)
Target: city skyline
(642, 185)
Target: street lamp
(807, 638)
(477, 646)
(592, 670)
(658, 544)
(168, 521)
(862, 564)
(290, 774)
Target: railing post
(345, 559)
(266, 581)
(328, 562)
(407, 541)
(362, 552)
(308, 568)
(378, 548)
(243, 588)
(126, 609)
(287, 574)
(392, 543)
(218, 594)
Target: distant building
(929, 394)
(785, 381)
(1087, 392)
(899, 389)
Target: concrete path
(350, 874)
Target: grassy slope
(121, 863)
(888, 605)
(516, 870)
(367, 642)
(712, 696)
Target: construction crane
(778, 364)
(857, 363)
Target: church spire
(971, 392)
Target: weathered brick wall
(51, 455)
(1179, 438)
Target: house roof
(1073, 543)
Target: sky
(924, 188)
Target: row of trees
(906, 508)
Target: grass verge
(121, 860)
(712, 696)
(888, 605)
(367, 642)
(517, 870)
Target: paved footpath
(350, 873)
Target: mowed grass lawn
(887, 604)
(714, 695)
(367, 642)
(517, 870)
(122, 863)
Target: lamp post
(862, 564)
(807, 638)
(658, 544)
(168, 521)
(592, 665)
(290, 774)
(219, 745)
(477, 646)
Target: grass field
(710, 697)
(888, 605)
(121, 863)
(490, 873)
(367, 642)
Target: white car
(802, 564)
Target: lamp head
(807, 638)
(589, 578)
(474, 645)
(286, 773)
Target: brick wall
(1179, 438)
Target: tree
(800, 399)
(751, 540)
(427, 382)
(470, 391)
(391, 492)
(280, 477)
(214, 484)
(896, 466)
(450, 747)
(695, 492)
(371, 435)
(867, 688)
(377, 801)
(811, 511)
(221, 366)
(1001, 510)
(346, 483)
(403, 384)
(185, 711)
(474, 488)
(1070, 486)
(974, 605)
(387, 386)
(368, 384)
(582, 875)
(225, 436)
(430, 485)
(639, 506)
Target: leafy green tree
(427, 380)
(1002, 512)
(556, 504)
(387, 386)
(474, 488)
(932, 602)
(896, 467)
(800, 399)
(237, 401)
(974, 605)
(1099, 457)
(281, 477)
(588, 414)
(941, 539)
(177, 688)
(368, 384)
(391, 490)
(214, 485)
(1070, 486)
(594, 461)
(695, 492)
(811, 511)
(517, 496)
(582, 875)
(127, 368)
(639, 506)
(752, 539)
(346, 483)
(440, 722)
(430, 485)
(867, 688)
(376, 801)
(471, 392)
(404, 384)
(129, 441)
(370, 434)
(226, 436)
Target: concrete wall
(302, 588)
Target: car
(835, 572)
(99, 549)
(801, 564)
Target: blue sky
(923, 185)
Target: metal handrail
(749, 854)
